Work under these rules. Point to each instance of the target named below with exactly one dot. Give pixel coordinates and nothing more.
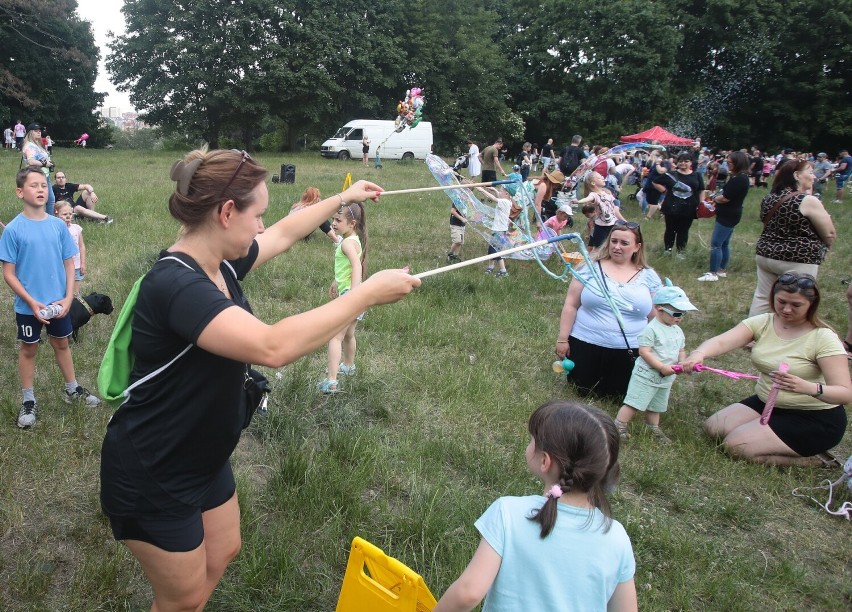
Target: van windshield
(341, 133)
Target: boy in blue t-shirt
(661, 345)
(37, 252)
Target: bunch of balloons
(410, 110)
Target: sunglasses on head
(675, 313)
(802, 282)
(246, 157)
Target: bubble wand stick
(698, 367)
(773, 396)
(469, 262)
(445, 187)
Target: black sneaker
(106, 220)
(27, 415)
(81, 395)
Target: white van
(410, 143)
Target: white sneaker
(81, 395)
(27, 415)
(708, 276)
(722, 274)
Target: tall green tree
(600, 70)
(48, 67)
(189, 67)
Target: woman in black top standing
(166, 480)
(729, 211)
(683, 189)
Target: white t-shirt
(474, 166)
(501, 215)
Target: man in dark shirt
(569, 157)
(491, 161)
(85, 205)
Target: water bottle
(50, 311)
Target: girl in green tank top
(350, 269)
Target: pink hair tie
(555, 492)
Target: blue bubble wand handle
(475, 260)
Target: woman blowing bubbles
(809, 418)
(166, 480)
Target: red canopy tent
(658, 135)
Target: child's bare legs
(77, 285)
(335, 349)
(455, 249)
(652, 418)
(62, 350)
(349, 345)
(626, 413)
(652, 210)
(26, 364)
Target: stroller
(461, 162)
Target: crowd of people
(167, 486)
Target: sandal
(622, 430)
(658, 434)
(829, 461)
(328, 387)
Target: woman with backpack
(166, 480)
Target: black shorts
(599, 235)
(489, 175)
(602, 371)
(806, 432)
(173, 531)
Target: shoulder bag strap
(623, 334)
(768, 217)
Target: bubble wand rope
(698, 367)
(845, 509)
(475, 260)
(772, 397)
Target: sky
(105, 16)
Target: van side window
(356, 134)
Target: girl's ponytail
(584, 442)
(361, 230)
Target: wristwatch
(819, 390)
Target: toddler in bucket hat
(661, 345)
(673, 296)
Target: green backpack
(117, 363)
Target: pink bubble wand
(698, 367)
(772, 397)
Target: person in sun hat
(661, 345)
(564, 217)
(546, 187)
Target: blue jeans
(50, 205)
(720, 247)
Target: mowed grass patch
(428, 433)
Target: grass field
(427, 435)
